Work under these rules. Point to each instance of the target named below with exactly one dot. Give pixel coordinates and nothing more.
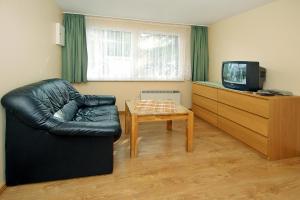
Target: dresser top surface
(248, 93)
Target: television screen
(235, 73)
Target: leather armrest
(99, 100)
(74, 128)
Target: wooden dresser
(271, 125)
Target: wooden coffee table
(134, 116)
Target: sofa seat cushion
(106, 116)
(97, 113)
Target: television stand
(269, 124)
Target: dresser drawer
(205, 91)
(254, 105)
(206, 103)
(208, 116)
(247, 136)
(246, 119)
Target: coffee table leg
(190, 132)
(169, 125)
(133, 136)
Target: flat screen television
(243, 75)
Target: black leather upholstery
(44, 119)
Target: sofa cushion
(107, 116)
(97, 113)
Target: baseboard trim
(2, 188)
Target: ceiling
(191, 12)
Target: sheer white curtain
(134, 54)
(109, 54)
(158, 57)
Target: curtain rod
(131, 19)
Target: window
(118, 43)
(158, 57)
(137, 55)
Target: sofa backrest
(36, 104)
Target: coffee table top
(155, 107)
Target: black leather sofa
(53, 132)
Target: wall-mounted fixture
(60, 35)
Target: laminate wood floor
(220, 167)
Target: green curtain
(74, 53)
(199, 53)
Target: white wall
(27, 49)
(269, 34)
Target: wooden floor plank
(219, 167)
(2, 188)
